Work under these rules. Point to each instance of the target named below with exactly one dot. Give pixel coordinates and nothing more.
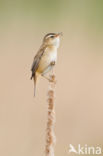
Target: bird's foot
(52, 79)
(52, 63)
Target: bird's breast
(48, 57)
(52, 55)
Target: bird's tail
(35, 79)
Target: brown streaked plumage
(46, 56)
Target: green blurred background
(79, 73)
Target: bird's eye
(52, 36)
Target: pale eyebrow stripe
(49, 36)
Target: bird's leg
(50, 80)
(52, 73)
(47, 78)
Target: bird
(46, 57)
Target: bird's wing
(37, 59)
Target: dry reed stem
(50, 135)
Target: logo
(79, 150)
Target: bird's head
(52, 39)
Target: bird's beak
(59, 34)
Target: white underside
(48, 57)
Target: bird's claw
(52, 63)
(52, 79)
